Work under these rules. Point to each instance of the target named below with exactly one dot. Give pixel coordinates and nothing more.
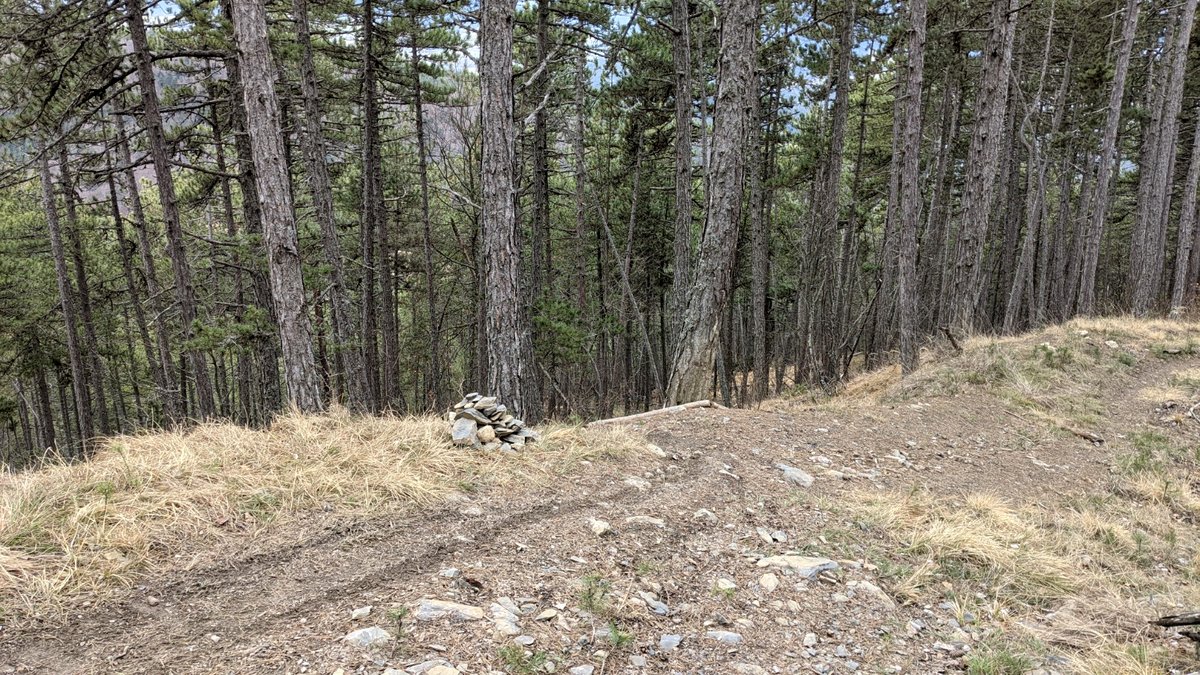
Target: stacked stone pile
(483, 422)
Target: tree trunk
(274, 195)
(345, 353)
(185, 294)
(983, 160)
(510, 375)
(1187, 225)
(371, 213)
(760, 247)
(66, 296)
(434, 377)
(910, 188)
(172, 407)
(694, 359)
(681, 55)
(1154, 193)
(94, 363)
(136, 298)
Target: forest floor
(1025, 506)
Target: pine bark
(694, 359)
(1154, 204)
(681, 58)
(274, 195)
(506, 333)
(910, 189)
(185, 294)
(1187, 226)
(983, 161)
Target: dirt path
(682, 558)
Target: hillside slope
(1025, 506)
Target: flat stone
(524, 640)
(795, 476)
(646, 520)
(366, 638)
(639, 483)
(473, 415)
(877, 592)
(442, 670)
(803, 565)
(769, 582)
(433, 610)
(485, 402)
(581, 670)
(668, 642)
(462, 432)
(546, 615)
(725, 636)
(655, 605)
(637, 661)
(724, 584)
(360, 613)
(749, 669)
(427, 666)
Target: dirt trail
(686, 531)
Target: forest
(224, 209)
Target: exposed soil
(282, 602)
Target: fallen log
(704, 403)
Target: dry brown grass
(90, 527)
(1080, 578)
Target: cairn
(484, 422)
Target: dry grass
(88, 528)
(1080, 578)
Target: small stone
(655, 605)
(151, 600)
(878, 593)
(725, 636)
(724, 584)
(841, 652)
(524, 640)
(360, 613)
(366, 638)
(442, 670)
(449, 572)
(637, 661)
(749, 669)
(805, 566)
(705, 514)
(432, 610)
(426, 667)
(546, 615)
(769, 582)
(668, 642)
(600, 527)
(646, 520)
(841, 598)
(639, 483)
(486, 434)
(581, 670)
(810, 639)
(795, 476)
(656, 451)
(463, 432)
